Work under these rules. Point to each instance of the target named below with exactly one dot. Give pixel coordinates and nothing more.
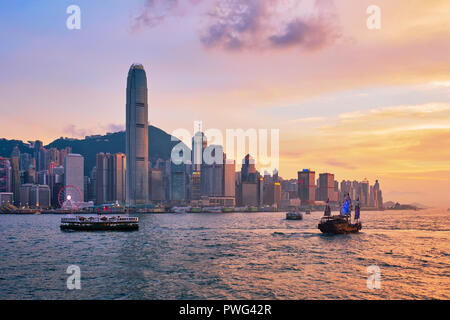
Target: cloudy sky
(356, 102)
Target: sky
(348, 100)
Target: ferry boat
(212, 209)
(80, 223)
(294, 215)
(341, 224)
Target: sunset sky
(356, 102)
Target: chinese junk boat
(80, 223)
(341, 224)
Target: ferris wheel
(69, 197)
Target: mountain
(160, 145)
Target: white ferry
(81, 223)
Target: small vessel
(308, 212)
(180, 209)
(227, 210)
(195, 210)
(294, 215)
(212, 209)
(341, 224)
(80, 223)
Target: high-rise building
(25, 194)
(306, 186)
(212, 175)
(199, 143)
(74, 172)
(378, 197)
(327, 187)
(229, 178)
(137, 137)
(104, 165)
(15, 175)
(364, 193)
(110, 178)
(5, 175)
(119, 177)
(156, 184)
(40, 196)
(248, 171)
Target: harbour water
(228, 256)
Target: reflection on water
(228, 256)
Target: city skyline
(380, 110)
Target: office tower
(110, 178)
(30, 175)
(327, 187)
(156, 184)
(250, 194)
(248, 170)
(136, 137)
(229, 178)
(25, 161)
(306, 186)
(39, 196)
(195, 185)
(364, 193)
(63, 153)
(74, 172)
(93, 185)
(56, 183)
(277, 193)
(41, 160)
(378, 197)
(52, 158)
(25, 194)
(5, 175)
(104, 165)
(43, 177)
(178, 183)
(212, 175)
(15, 176)
(199, 143)
(119, 177)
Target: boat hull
(100, 226)
(339, 226)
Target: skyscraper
(74, 172)
(306, 186)
(327, 187)
(137, 137)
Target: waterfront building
(74, 172)
(306, 186)
(326, 188)
(15, 176)
(229, 178)
(25, 194)
(110, 178)
(5, 175)
(39, 196)
(6, 197)
(136, 137)
(156, 184)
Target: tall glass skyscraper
(137, 137)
